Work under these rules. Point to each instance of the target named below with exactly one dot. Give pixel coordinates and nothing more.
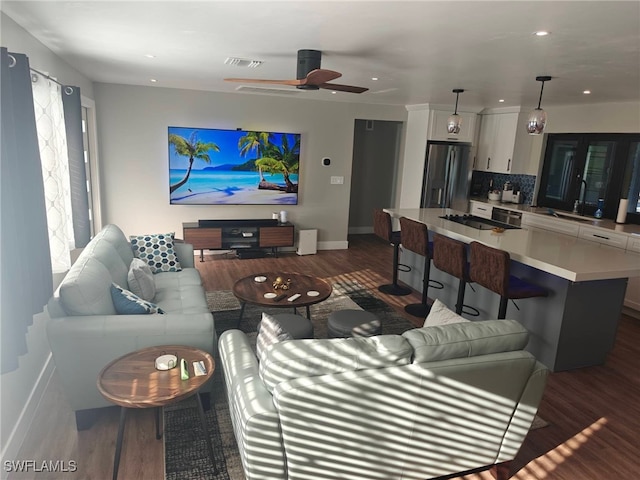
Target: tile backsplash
(525, 183)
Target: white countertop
(561, 255)
(610, 225)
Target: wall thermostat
(326, 161)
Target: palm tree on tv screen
(192, 148)
(272, 158)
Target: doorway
(374, 171)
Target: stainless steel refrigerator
(447, 176)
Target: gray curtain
(25, 279)
(77, 172)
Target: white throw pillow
(271, 332)
(140, 279)
(441, 315)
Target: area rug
(186, 456)
(347, 294)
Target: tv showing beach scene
(236, 167)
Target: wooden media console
(246, 237)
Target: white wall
(20, 390)
(132, 127)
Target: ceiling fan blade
(320, 75)
(343, 88)
(293, 83)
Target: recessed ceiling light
(334, 92)
(501, 100)
(374, 78)
(153, 80)
(541, 33)
(587, 92)
(148, 55)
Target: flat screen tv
(235, 167)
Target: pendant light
(454, 122)
(538, 117)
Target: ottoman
(353, 323)
(296, 325)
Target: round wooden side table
(132, 381)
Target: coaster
(313, 293)
(260, 279)
(269, 295)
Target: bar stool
(450, 256)
(490, 267)
(382, 228)
(415, 237)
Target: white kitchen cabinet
(603, 236)
(551, 223)
(438, 127)
(633, 243)
(504, 146)
(481, 210)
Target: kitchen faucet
(584, 194)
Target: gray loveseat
(85, 332)
(434, 401)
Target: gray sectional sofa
(86, 333)
(433, 401)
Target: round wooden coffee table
(132, 381)
(311, 289)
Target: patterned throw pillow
(157, 250)
(140, 279)
(270, 333)
(128, 303)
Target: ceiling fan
(309, 75)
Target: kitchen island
(575, 326)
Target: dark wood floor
(594, 413)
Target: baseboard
(17, 436)
(631, 312)
(334, 245)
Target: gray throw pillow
(140, 279)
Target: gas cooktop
(478, 222)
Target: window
(579, 169)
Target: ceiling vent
(279, 91)
(242, 62)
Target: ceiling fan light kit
(309, 75)
(538, 117)
(454, 122)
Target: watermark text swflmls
(37, 466)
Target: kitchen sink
(575, 218)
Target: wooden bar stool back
(491, 268)
(450, 256)
(415, 237)
(382, 228)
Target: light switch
(337, 180)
